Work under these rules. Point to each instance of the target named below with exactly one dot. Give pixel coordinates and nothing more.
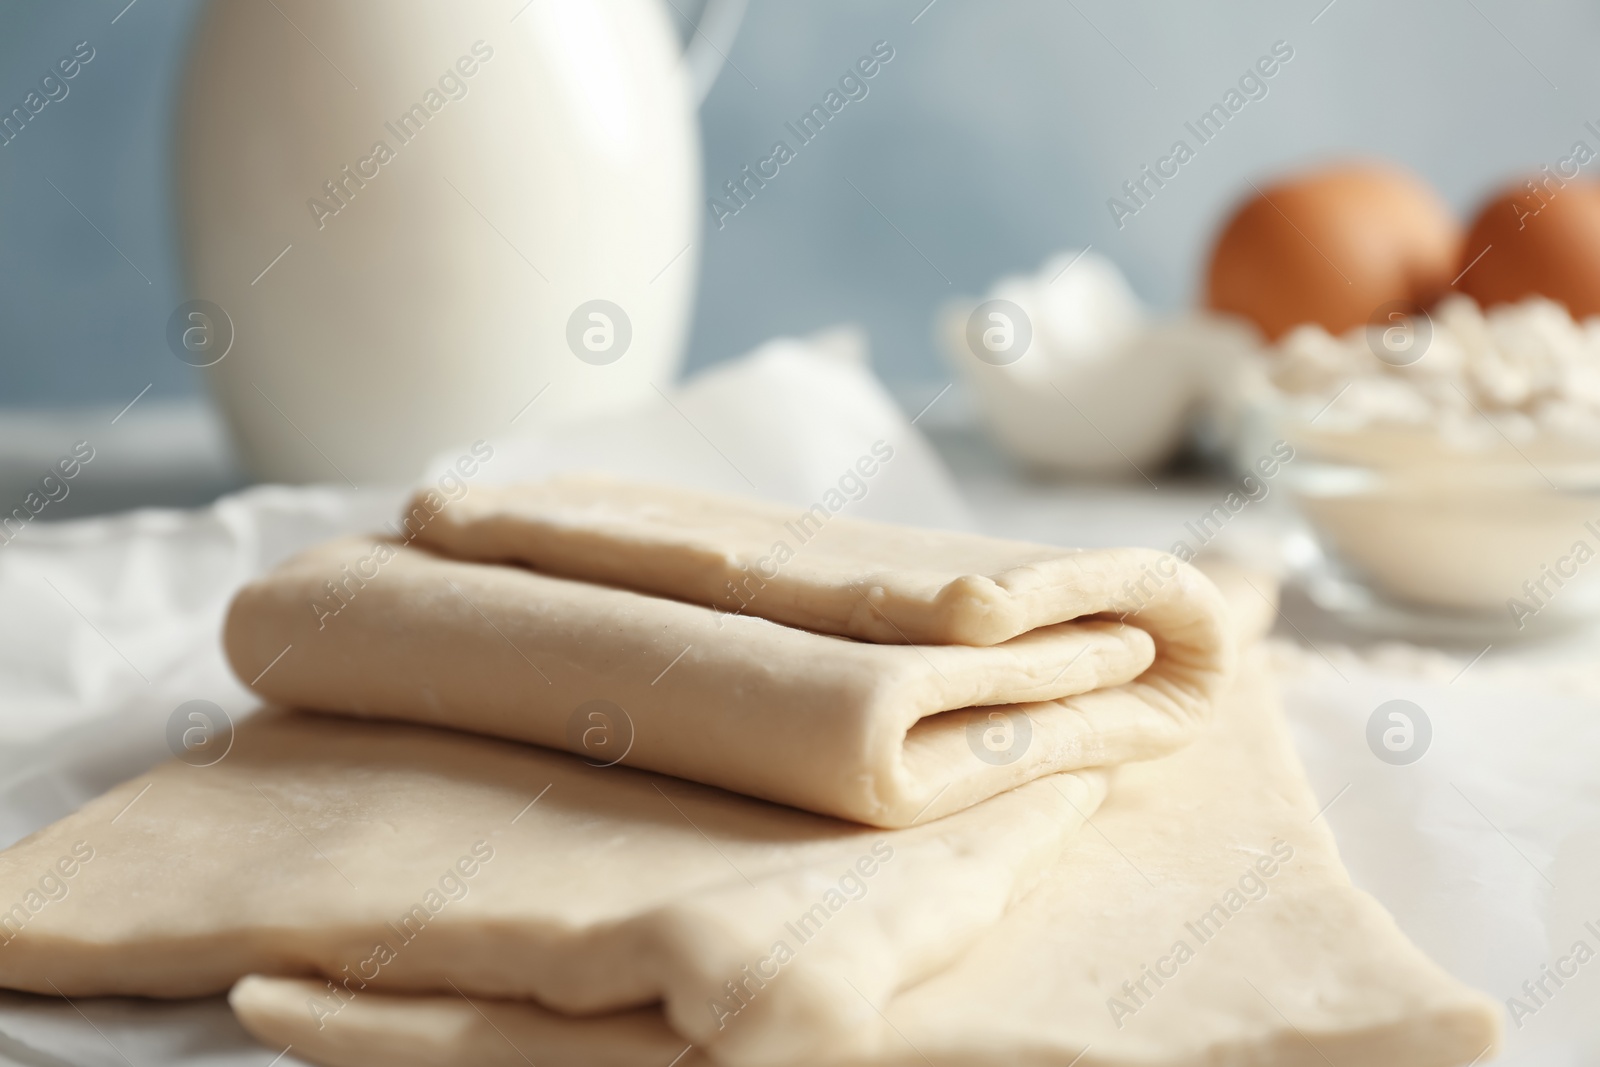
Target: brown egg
(1331, 247)
(1544, 240)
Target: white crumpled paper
(1487, 849)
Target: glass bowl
(1411, 532)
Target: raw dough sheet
(1204, 917)
(396, 857)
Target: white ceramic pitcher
(406, 219)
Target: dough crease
(603, 618)
(391, 857)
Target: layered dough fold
(1206, 918)
(396, 857)
(872, 672)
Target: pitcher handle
(709, 43)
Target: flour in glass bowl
(1521, 373)
(1450, 465)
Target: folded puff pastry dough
(879, 673)
(387, 856)
(1216, 848)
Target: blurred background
(992, 140)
